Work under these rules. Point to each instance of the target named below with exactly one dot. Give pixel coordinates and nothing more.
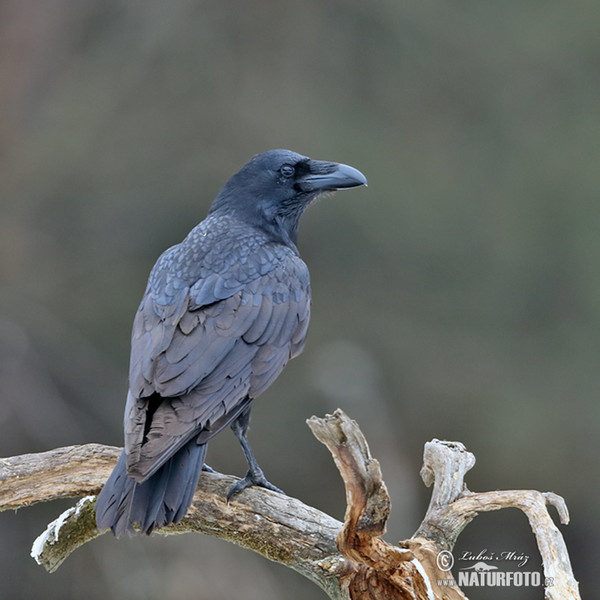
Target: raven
(222, 314)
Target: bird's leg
(254, 476)
(208, 469)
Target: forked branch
(348, 560)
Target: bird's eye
(287, 170)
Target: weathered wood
(375, 569)
(453, 506)
(348, 560)
(281, 528)
(68, 472)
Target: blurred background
(457, 297)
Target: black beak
(328, 176)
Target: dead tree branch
(68, 472)
(348, 560)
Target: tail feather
(162, 499)
(178, 495)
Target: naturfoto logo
(483, 572)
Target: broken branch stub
(375, 569)
(453, 506)
(445, 465)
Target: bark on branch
(348, 560)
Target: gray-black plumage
(222, 314)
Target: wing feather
(263, 313)
(203, 363)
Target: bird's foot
(253, 477)
(208, 469)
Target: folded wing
(194, 368)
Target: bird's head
(273, 189)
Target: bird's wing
(206, 361)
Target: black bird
(222, 314)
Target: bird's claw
(251, 478)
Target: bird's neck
(280, 224)
(283, 220)
(288, 231)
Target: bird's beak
(328, 176)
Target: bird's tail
(162, 499)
